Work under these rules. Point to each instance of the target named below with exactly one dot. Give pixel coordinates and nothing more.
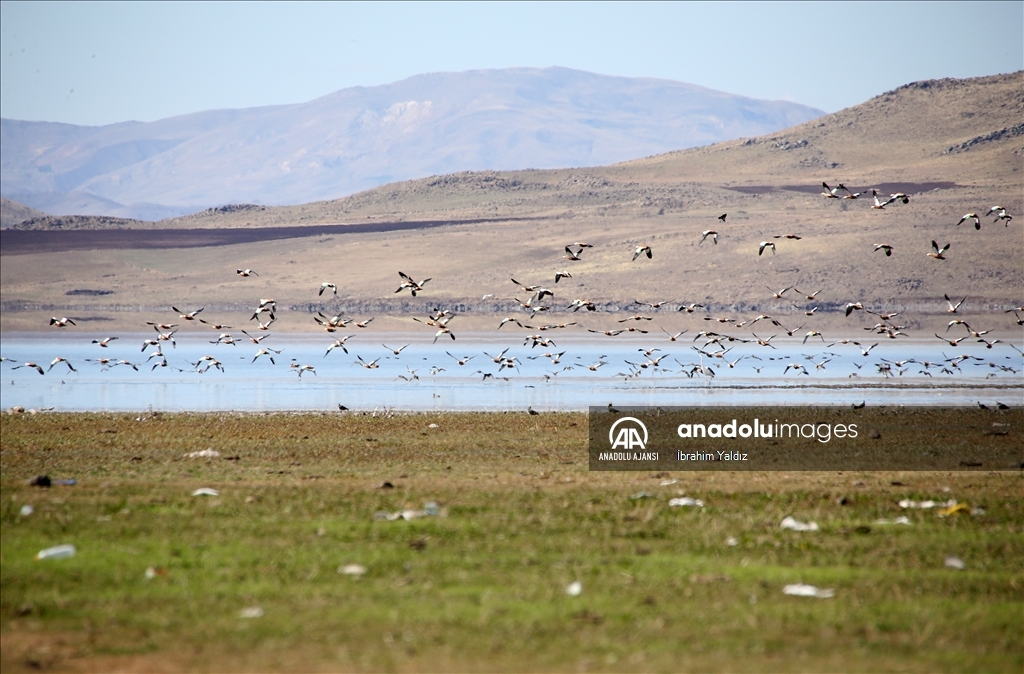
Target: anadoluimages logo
(628, 437)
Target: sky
(101, 63)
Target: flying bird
(884, 246)
(410, 284)
(569, 255)
(937, 252)
(640, 250)
(709, 232)
(953, 307)
(561, 275)
(721, 218)
(61, 322)
(327, 284)
(190, 316)
(59, 359)
(970, 216)
(766, 244)
(246, 272)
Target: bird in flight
(937, 252)
(410, 284)
(953, 307)
(709, 232)
(640, 250)
(327, 284)
(970, 216)
(246, 272)
(569, 255)
(190, 316)
(61, 322)
(562, 274)
(766, 244)
(721, 218)
(884, 246)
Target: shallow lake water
(433, 380)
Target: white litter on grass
(955, 563)
(57, 552)
(26, 510)
(206, 491)
(352, 569)
(432, 426)
(686, 501)
(796, 525)
(208, 453)
(251, 612)
(732, 542)
(668, 483)
(430, 509)
(802, 590)
(907, 503)
(574, 588)
(902, 519)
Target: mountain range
(362, 137)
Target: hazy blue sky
(98, 63)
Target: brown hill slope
(12, 213)
(953, 145)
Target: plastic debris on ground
(154, 571)
(955, 563)
(902, 519)
(351, 569)
(208, 453)
(924, 505)
(686, 501)
(251, 612)
(802, 590)
(668, 483)
(430, 509)
(206, 491)
(57, 552)
(956, 508)
(26, 510)
(732, 542)
(574, 589)
(796, 525)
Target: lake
(433, 380)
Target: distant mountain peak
(362, 137)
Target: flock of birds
(710, 356)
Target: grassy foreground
(481, 586)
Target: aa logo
(629, 434)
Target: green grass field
(481, 586)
